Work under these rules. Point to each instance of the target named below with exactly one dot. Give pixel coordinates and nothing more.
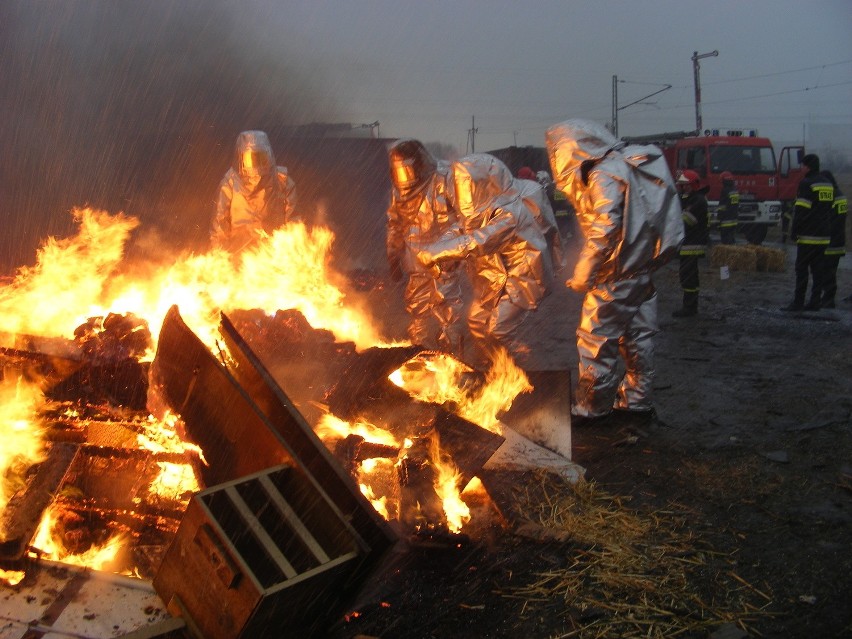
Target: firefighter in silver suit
(254, 195)
(628, 210)
(505, 248)
(422, 211)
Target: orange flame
(84, 276)
(99, 557)
(21, 436)
(447, 486)
(439, 378)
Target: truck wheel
(755, 233)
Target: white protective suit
(421, 211)
(510, 264)
(628, 210)
(254, 195)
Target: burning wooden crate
(262, 556)
(276, 495)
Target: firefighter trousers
(618, 320)
(810, 259)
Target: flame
(332, 427)
(12, 577)
(99, 557)
(21, 436)
(439, 378)
(84, 276)
(447, 486)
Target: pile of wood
(748, 257)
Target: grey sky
(424, 68)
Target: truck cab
(766, 187)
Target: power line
(770, 75)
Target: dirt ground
(731, 516)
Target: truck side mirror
(800, 153)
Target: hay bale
(770, 259)
(736, 258)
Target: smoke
(133, 106)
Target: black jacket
(695, 236)
(813, 210)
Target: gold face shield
(403, 174)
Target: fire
(331, 427)
(48, 543)
(447, 485)
(12, 577)
(21, 435)
(440, 378)
(84, 276)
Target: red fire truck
(767, 186)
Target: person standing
(255, 195)
(629, 213)
(728, 210)
(421, 211)
(811, 230)
(693, 203)
(506, 250)
(837, 244)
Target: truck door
(790, 172)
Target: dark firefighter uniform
(811, 229)
(728, 210)
(836, 245)
(693, 203)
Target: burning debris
(294, 479)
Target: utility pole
(696, 73)
(471, 134)
(615, 105)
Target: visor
(254, 162)
(403, 174)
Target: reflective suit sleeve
(291, 201)
(488, 239)
(604, 210)
(220, 232)
(395, 243)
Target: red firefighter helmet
(727, 176)
(689, 178)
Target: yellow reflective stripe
(692, 249)
(835, 250)
(824, 192)
(735, 198)
(689, 218)
(691, 290)
(810, 239)
(727, 224)
(842, 205)
(806, 204)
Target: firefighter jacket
(420, 217)
(507, 249)
(813, 210)
(837, 243)
(537, 201)
(695, 235)
(252, 199)
(729, 204)
(624, 197)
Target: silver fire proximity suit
(628, 210)
(422, 211)
(254, 195)
(510, 265)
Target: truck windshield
(742, 159)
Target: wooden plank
(287, 512)
(257, 529)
